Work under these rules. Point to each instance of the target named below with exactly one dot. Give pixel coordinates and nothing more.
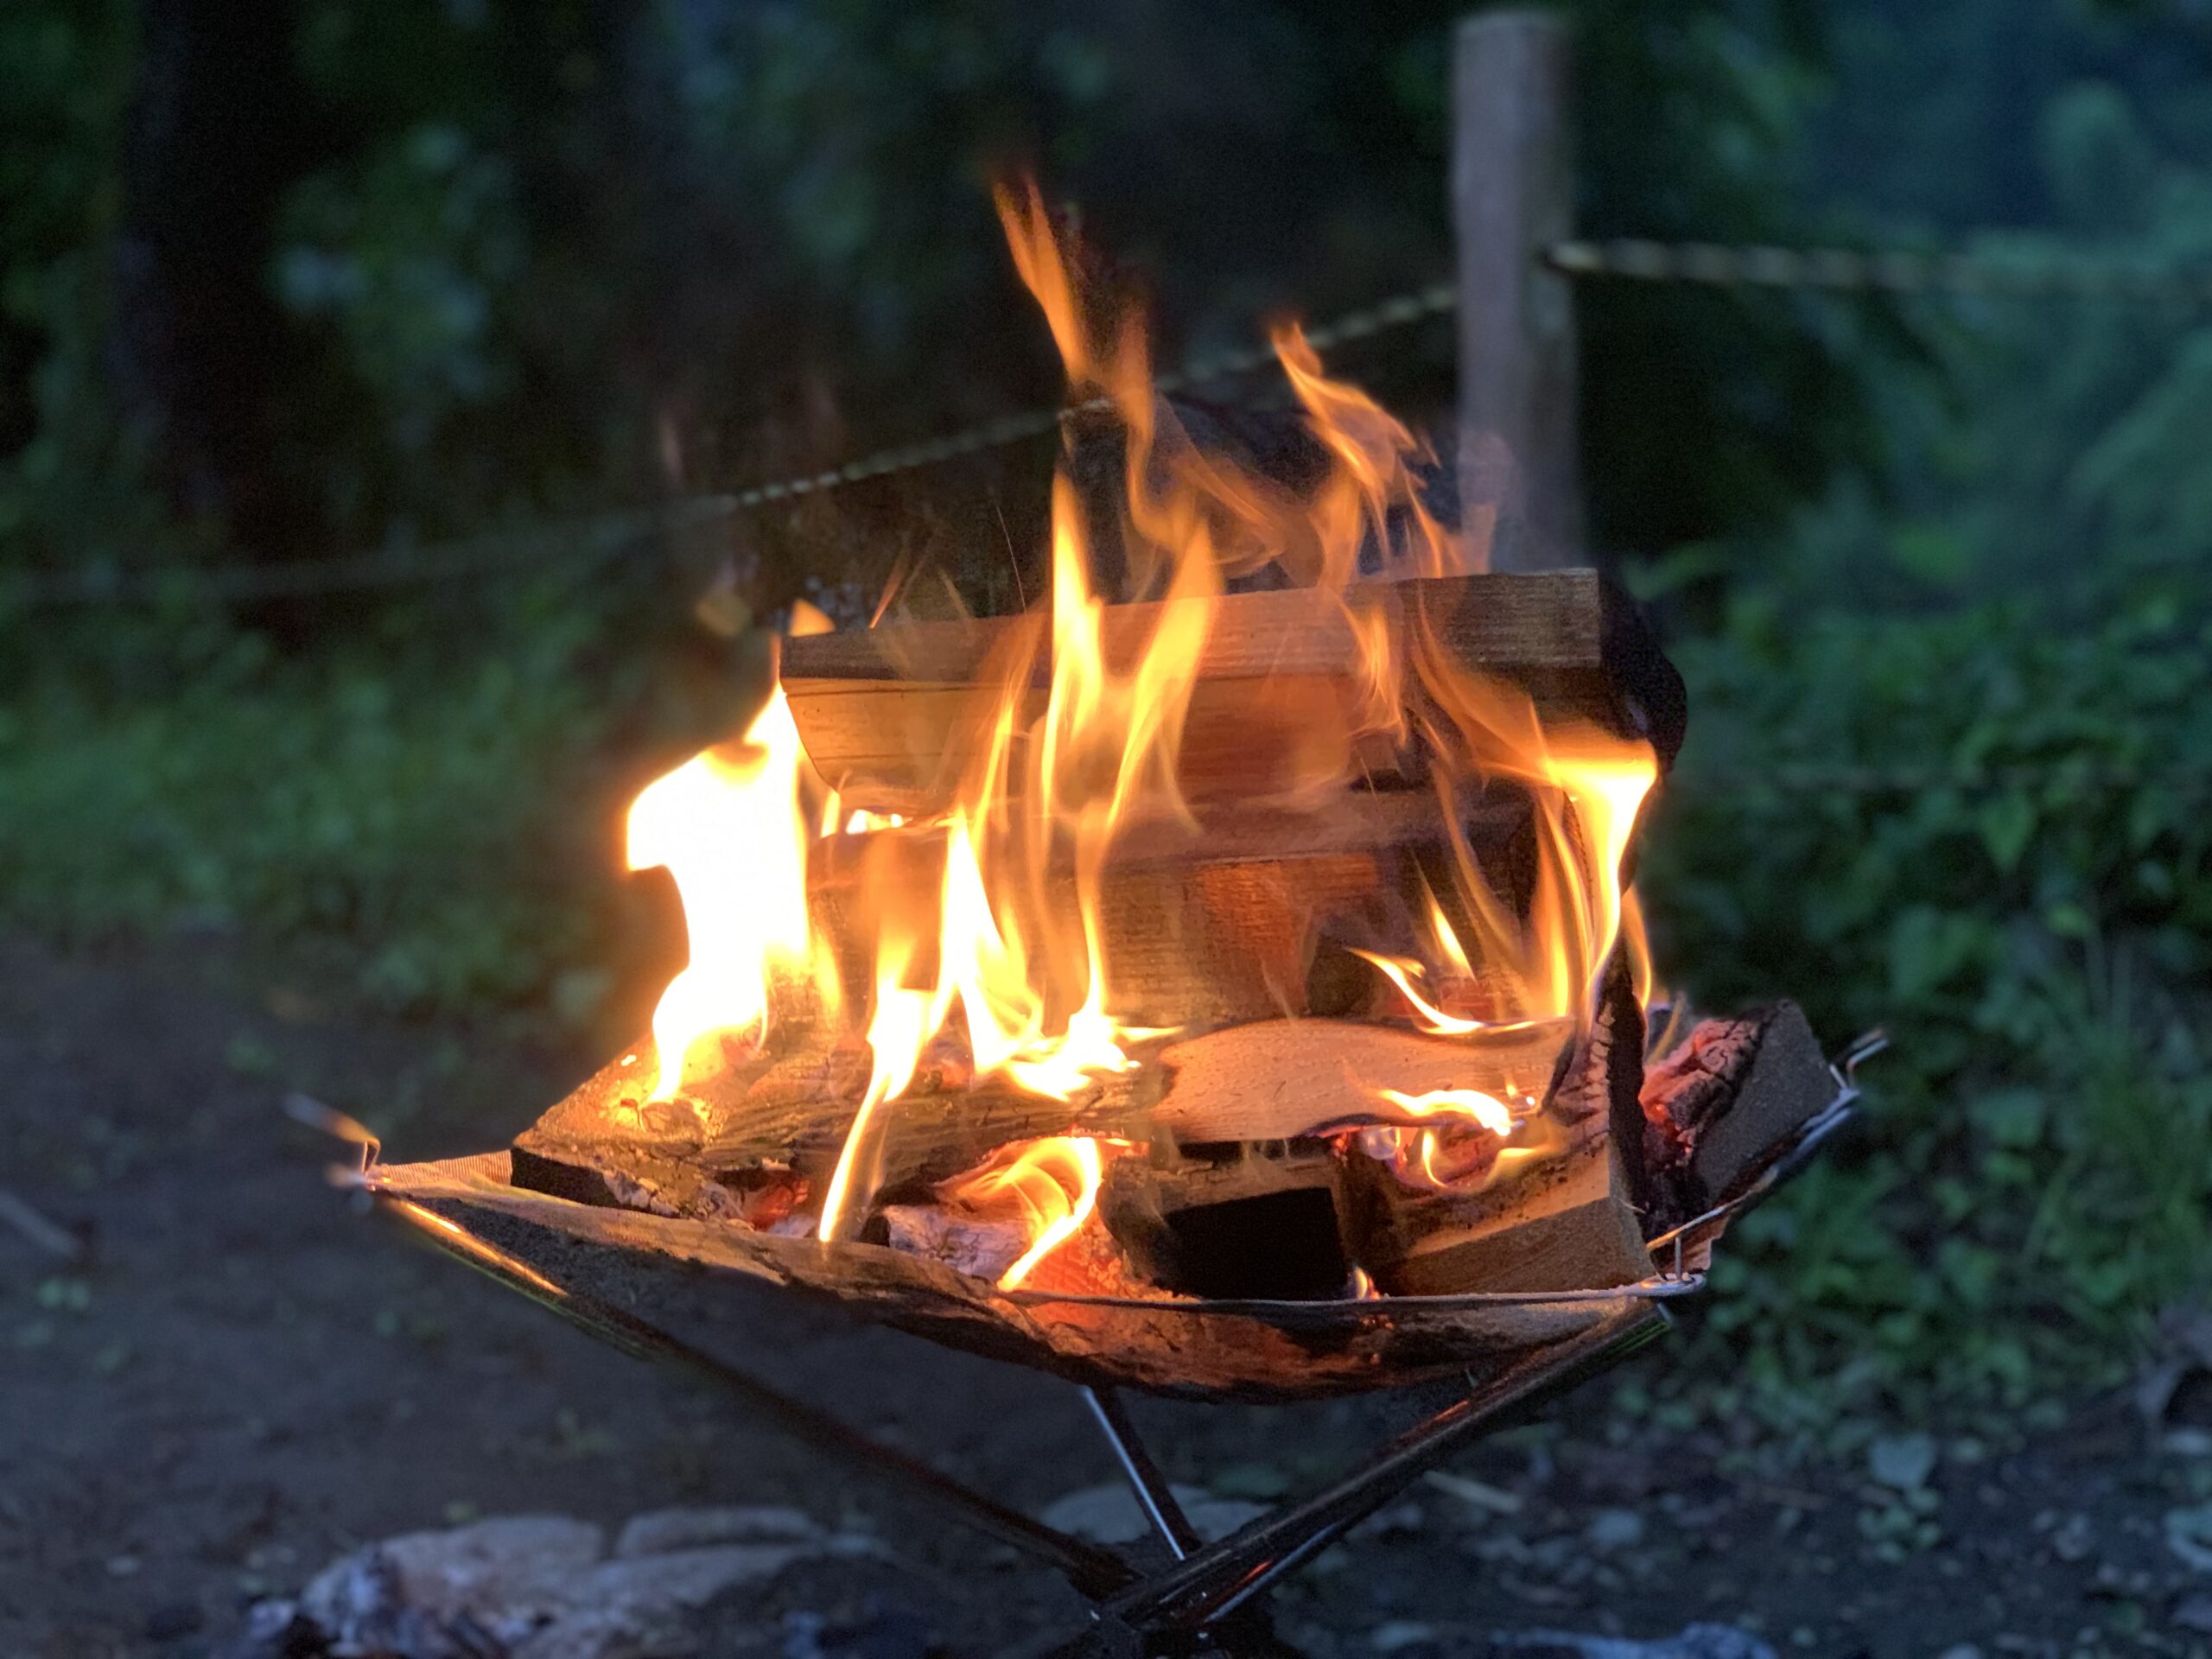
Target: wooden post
(1512, 188)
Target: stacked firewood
(1243, 1170)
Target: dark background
(287, 282)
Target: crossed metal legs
(1209, 1585)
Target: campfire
(1224, 976)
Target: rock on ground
(537, 1586)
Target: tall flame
(729, 825)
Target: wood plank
(1232, 831)
(1276, 1080)
(1222, 920)
(1504, 623)
(891, 716)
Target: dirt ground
(245, 1377)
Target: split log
(765, 1134)
(1565, 1218)
(889, 716)
(1731, 1099)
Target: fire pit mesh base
(678, 1271)
(635, 1280)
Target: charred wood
(1730, 1099)
(1246, 1221)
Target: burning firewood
(766, 1135)
(1719, 1107)
(1263, 938)
(1557, 1214)
(1226, 984)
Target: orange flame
(959, 927)
(1485, 1110)
(728, 824)
(1054, 1184)
(1585, 788)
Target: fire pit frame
(1209, 1590)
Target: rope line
(1883, 271)
(1699, 264)
(1399, 311)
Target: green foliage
(1990, 831)
(429, 836)
(1703, 411)
(2048, 437)
(70, 470)
(529, 258)
(410, 257)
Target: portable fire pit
(1235, 992)
(655, 1284)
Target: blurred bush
(414, 838)
(1988, 830)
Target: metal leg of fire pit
(1214, 1583)
(1093, 1571)
(1154, 1494)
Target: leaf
(2008, 823)
(1928, 948)
(1902, 1462)
(2013, 1118)
(1935, 553)
(2189, 1535)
